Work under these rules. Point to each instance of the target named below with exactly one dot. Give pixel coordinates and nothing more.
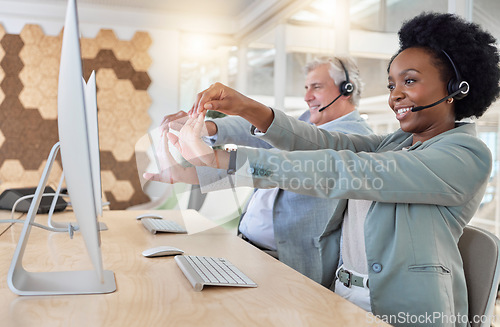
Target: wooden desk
(5, 214)
(154, 292)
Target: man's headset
(346, 87)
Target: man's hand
(170, 171)
(190, 144)
(177, 120)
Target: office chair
(481, 260)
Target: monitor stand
(55, 224)
(24, 282)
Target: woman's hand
(226, 100)
(170, 171)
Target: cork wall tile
(123, 130)
(105, 78)
(107, 161)
(123, 151)
(141, 101)
(107, 139)
(103, 59)
(31, 34)
(108, 178)
(29, 68)
(49, 66)
(141, 61)
(123, 50)
(48, 109)
(141, 41)
(28, 177)
(11, 86)
(106, 100)
(11, 170)
(12, 44)
(30, 76)
(56, 171)
(89, 48)
(2, 53)
(31, 97)
(13, 128)
(106, 39)
(125, 109)
(122, 191)
(12, 106)
(140, 122)
(123, 69)
(141, 81)
(31, 55)
(48, 86)
(123, 90)
(51, 46)
(122, 170)
(30, 159)
(11, 65)
(2, 138)
(106, 119)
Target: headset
(457, 88)
(457, 84)
(346, 87)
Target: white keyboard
(201, 271)
(155, 225)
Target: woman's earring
(450, 100)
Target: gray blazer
(423, 197)
(299, 220)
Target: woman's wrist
(259, 115)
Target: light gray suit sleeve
(433, 174)
(236, 130)
(287, 133)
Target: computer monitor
(89, 90)
(76, 137)
(93, 133)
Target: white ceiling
(222, 8)
(236, 18)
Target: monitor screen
(93, 138)
(74, 138)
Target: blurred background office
(152, 58)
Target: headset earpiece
(456, 84)
(346, 88)
(462, 88)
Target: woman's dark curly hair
(472, 49)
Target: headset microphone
(346, 87)
(323, 108)
(464, 87)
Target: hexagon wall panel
(29, 69)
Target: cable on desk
(71, 229)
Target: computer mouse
(161, 251)
(149, 215)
